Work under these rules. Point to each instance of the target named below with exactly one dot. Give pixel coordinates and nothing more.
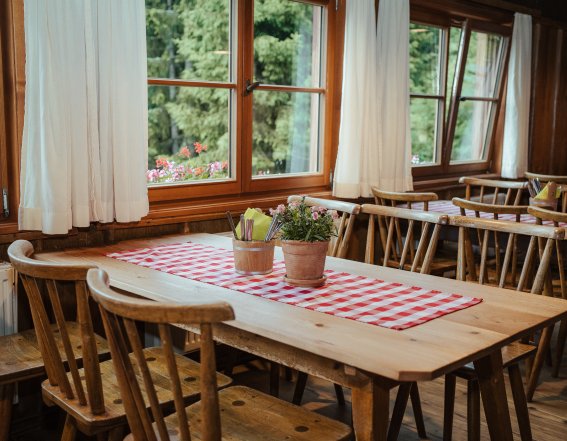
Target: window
(478, 98)
(237, 95)
(12, 67)
(456, 77)
(427, 91)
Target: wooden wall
(548, 131)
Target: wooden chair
(544, 179)
(347, 211)
(493, 191)
(398, 251)
(235, 413)
(337, 248)
(21, 360)
(543, 215)
(89, 395)
(497, 212)
(22, 353)
(393, 199)
(421, 260)
(515, 352)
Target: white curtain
(516, 122)
(358, 136)
(375, 137)
(393, 64)
(84, 148)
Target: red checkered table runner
(367, 300)
(447, 207)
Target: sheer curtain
(84, 148)
(375, 137)
(516, 122)
(358, 136)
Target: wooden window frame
(242, 184)
(12, 88)
(468, 21)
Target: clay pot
(304, 262)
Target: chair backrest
(497, 211)
(394, 198)
(492, 191)
(400, 251)
(558, 220)
(347, 211)
(544, 179)
(35, 275)
(540, 247)
(119, 315)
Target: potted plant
(305, 234)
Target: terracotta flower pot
(305, 262)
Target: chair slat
(90, 355)
(135, 344)
(46, 338)
(60, 319)
(211, 417)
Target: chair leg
(340, 395)
(69, 429)
(6, 399)
(417, 411)
(288, 373)
(538, 362)
(520, 402)
(473, 410)
(561, 338)
(274, 379)
(399, 411)
(299, 388)
(449, 407)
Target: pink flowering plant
(305, 223)
(188, 164)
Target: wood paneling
(548, 128)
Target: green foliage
(304, 223)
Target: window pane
(287, 43)
(483, 65)
(285, 133)
(425, 59)
(424, 124)
(188, 39)
(188, 133)
(473, 124)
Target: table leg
(493, 391)
(370, 410)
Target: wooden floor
(548, 411)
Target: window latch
(250, 87)
(6, 209)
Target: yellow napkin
(544, 194)
(261, 223)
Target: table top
(423, 352)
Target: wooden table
(369, 359)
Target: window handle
(250, 87)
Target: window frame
(12, 85)
(498, 25)
(242, 183)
